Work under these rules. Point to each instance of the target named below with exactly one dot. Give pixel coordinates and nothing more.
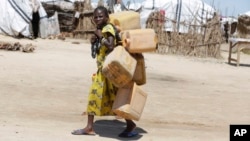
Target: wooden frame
(239, 44)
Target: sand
(43, 94)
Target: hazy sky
(230, 7)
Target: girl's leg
(89, 127)
(130, 125)
(129, 131)
(88, 130)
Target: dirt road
(42, 95)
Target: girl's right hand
(93, 39)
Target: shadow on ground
(241, 65)
(111, 129)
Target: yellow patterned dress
(102, 91)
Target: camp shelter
(179, 12)
(16, 16)
(64, 11)
(230, 23)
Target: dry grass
(200, 40)
(243, 26)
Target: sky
(230, 7)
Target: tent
(194, 12)
(16, 17)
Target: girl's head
(101, 16)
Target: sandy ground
(42, 95)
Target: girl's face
(100, 18)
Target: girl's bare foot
(84, 131)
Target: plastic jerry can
(140, 72)
(139, 40)
(125, 20)
(119, 67)
(129, 102)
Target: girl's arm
(109, 42)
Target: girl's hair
(103, 9)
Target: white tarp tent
(16, 16)
(230, 20)
(194, 12)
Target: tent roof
(193, 12)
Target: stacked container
(129, 102)
(125, 20)
(139, 40)
(119, 67)
(125, 66)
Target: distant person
(226, 29)
(35, 17)
(102, 92)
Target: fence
(201, 40)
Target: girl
(102, 91)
